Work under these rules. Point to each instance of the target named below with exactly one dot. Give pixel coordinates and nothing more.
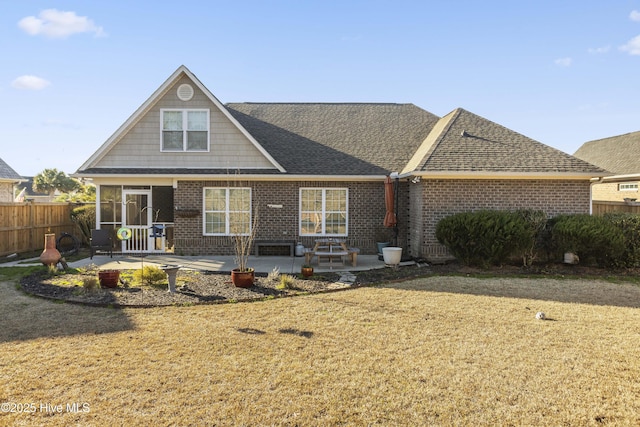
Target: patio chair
(101, 240)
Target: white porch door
(137, 215)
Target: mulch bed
(195, 287)
(192, 288)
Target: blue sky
(561, 72)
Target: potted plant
(383, 238)
(243, 276)
(306, 270)
(392, 255)
(109, 278)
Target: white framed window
(628, 187)
(227, 211)
(324, 211)
(184, 130)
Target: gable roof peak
(464, 142)
(153, 99)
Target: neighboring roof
(465, 142)
(8, 174)
(617, 154)
(336, 139)
(27, 185)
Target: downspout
(395, 208)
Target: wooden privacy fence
(23, 225)
(601, 207)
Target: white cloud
(599, 50)
(563, 62)
(634, 16)
(58, 24)
(30, 83)
(632, 46)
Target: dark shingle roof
(7, 173)
(336, 139)
(617, 154)
(470, 143)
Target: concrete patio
(261, 264)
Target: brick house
(200, 170)
(618, 155)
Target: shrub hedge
(593, 238)
(486, 237)
(629, 224)
(483, 238)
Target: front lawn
(432, 351)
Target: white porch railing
(143, 239)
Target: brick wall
(366, 213)
(432, 200)
(609, 191)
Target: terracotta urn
(242, 279)
(50, 255)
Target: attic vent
(185, 92)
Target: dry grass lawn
(432, 351)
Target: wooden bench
(260, 243)
(331, 255)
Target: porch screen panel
(110, 205)
(162, 197)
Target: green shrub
(91, 283)
(629, 225)
(536, 222)
(485, 237)
(150, 275)
(593, 238)
(286, 281)
(85, 217)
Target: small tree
(50, 180)
(85, 193)
(244, 233)
(85, 217)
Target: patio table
(330, 249)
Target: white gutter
(621, 178)
(497, 175)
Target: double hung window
(227, 211)
(185, 130)
(323, 211)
